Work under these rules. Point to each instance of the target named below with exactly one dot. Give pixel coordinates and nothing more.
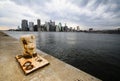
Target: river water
(96, 54)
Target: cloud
(85, 13)
(12, 14)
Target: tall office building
(35, 28)
(52, 23)
(78, 28)
(60, 26)
(51, 26)
(71, 29)
(39, 24)
(65, 28)
(57, 29)
(24, 25)
(47, 26)
(90, 29)
(31, 24)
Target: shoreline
(81, 31)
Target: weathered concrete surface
(55, 71)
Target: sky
(96, 14)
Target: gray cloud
(31, 2)
(87, 13)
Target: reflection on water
(97, 54)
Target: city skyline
(98, 14)
(47, 26)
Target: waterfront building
(47, 26)
(70, 29)
(24, 25)
(18, 28)
(52, 23)
(118, 28)
(60, 26)
(43, 27)
(31, 24)
(57, 28)
(35, 28)
(78, 28)
(51, 26)
(65, 28)
(90, 29)
(62, 29)
(74, 29)
(39, 24)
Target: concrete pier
(55, 71)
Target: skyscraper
(24, 25)
(47, 26)
(51, 26)
(78, 28)
(65, 28)
(71, 29)
(57, 28)
(60, 26)
(39, 24)
(31, 24)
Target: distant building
(78, 28)
(35, 28)
(60, 26)
(71, 29)
(52, 23)
(19, 28)
(43, 28)
(57, 28)
(118, 28)
(65, 28)
(51, 26)
(74, 30)
(31, 24)
(24, 25)
(39, 24)
(62, 29)
(47, 26)
(90, 29)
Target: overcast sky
(99, 14)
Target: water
(96, 54)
